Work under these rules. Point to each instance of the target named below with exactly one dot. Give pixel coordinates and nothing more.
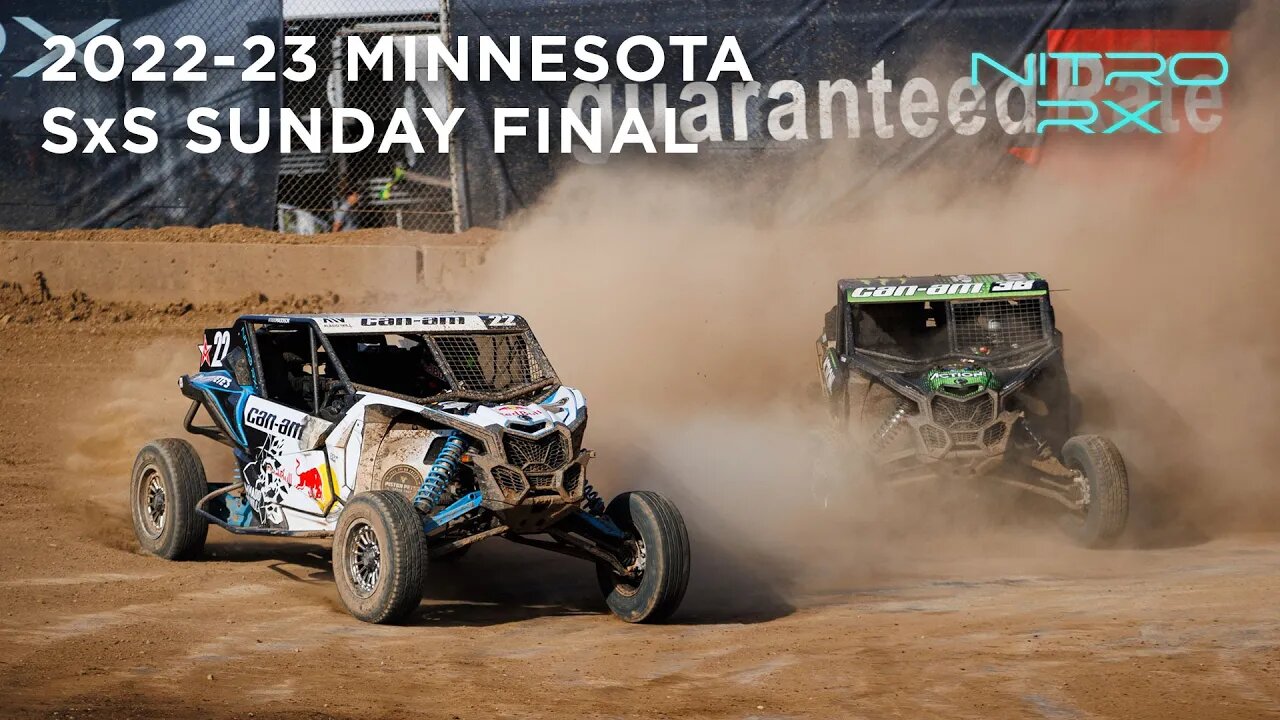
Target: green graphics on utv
(962, 377)
(961, 381)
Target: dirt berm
(227, 263)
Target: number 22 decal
(502, 321)
(221, 345)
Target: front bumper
(543, 469)
(963, 428)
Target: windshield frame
(456, 391)
(953, 350)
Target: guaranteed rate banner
(169, 112)
(894, 75)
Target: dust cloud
(138, 406)
(686, 306)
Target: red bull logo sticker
(317, 483)
(525, 412)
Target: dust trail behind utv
(962, 376)
(407, 438)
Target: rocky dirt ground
(1011, 623)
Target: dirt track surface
(1007, 626)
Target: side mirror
(238, 361)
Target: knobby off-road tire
(380, 557)
(1103, 468)
(168, 480)
(660, 588)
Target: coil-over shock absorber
(442, 471)
(592, 499)
(891, 426)
(1042, 447)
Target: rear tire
(662, 536)
(168, 480)
(380, 557)
(1105, 517)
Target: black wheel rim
(629, 584)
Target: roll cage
(247, 330)
(841, 327)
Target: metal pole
(315, 372)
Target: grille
(997, 325)
(510, 480)
(993, 434)
(571, 478)
(544, 455)
(493, 363)
(965, 437)
(933, 437)
(963, 415)
(542, 482)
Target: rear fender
(223, 401)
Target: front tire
(380, 557)
(168, 480)
(1107, 512)
(662, 543)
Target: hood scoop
(527, 427)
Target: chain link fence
(328, 192)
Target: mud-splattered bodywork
(945, 374)
(304, 449)
(526, 460)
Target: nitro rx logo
(1075, 103)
